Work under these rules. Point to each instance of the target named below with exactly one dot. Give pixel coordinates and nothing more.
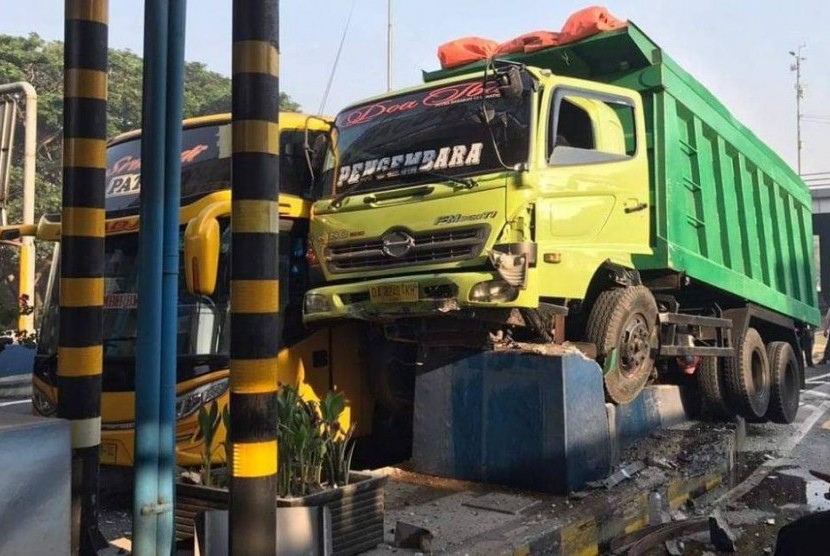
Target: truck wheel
(748, 378)
(622, 325)
(710, 382)
(784, 388)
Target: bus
(328, 358)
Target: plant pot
(357, 510)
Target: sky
(736, 48)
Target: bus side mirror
(201, 249)
(17, 232)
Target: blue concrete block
(517, 419)
(16, 360)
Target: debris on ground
(412, 536)
(623, 474)
(720, 534)
(675, 547)
(661, 462)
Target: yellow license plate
(109, 452)
(394, 293)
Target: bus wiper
(109, 341)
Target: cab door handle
(632, 205)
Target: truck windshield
(409, 138)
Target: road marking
(815, 393)
(816, 379)
(805, 428)
(16, 402)
(769, 466)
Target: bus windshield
(202, 324)
(206, 166)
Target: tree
(40, 63)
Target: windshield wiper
(119, 339)
(467, 183)
(337, 199)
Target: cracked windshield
(423, 136)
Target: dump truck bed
(726, 210)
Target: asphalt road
(773, 485)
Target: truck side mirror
(201, 249)
(318, 157)
(510, 82)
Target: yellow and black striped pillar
(255, 323)
(80, 350)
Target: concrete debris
(675, 547)
(678, 515)
(720, 534)
(660, 462)
(412, 536)
(771, 521)
(625, 473)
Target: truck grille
(439, 246)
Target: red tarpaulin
(579, 25)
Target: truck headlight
(493, 291)
(190, 402)
(42, 404)
(316, 303)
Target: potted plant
(314, 462)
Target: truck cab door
(593, 202)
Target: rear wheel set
(761, 382)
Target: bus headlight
(190, 402)
(316, 303)
(493, 291)
(42, 404)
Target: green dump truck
(592, 193)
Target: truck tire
(747, 377)
(710, 382)
(784, 387)
(624, 320)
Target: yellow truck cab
(592, 192)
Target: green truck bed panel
(726, 209)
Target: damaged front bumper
(457, 294)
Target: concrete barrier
(529, 421)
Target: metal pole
(8, 124)
(255, 324)
(170, 277)
(389, 45)
(27, 249)
(80, 351)
(799, 94)
(148, 371)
